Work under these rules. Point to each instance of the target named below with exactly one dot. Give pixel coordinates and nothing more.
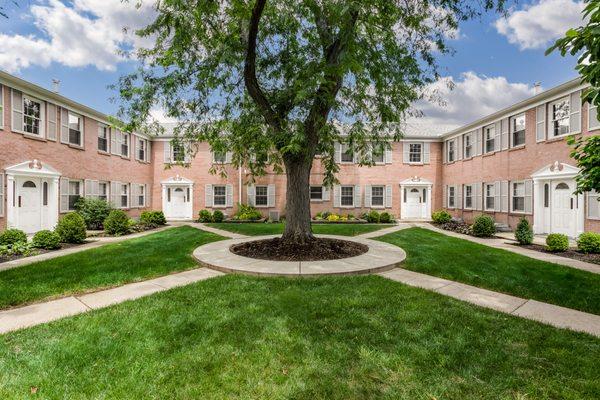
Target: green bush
(386, 218)
(71, 228)
(557, 242)
(373, 217)
(441, 217)
(218, 216)
(484, 226)
(524, 233)
(246, 213)
(46, 239)
(155, 218)
(205, 216)
(93, 211)
(589, 242)
(117, 223)
(12, 236)
(17, 249)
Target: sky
(497, 59)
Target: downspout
(240, 184)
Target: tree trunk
(297, 208)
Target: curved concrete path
(380, 257)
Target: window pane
(261, 196)
(377, 195)
(347, 195)
(316, 192)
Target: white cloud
(159, 114)
(469, 98)
(537, 25)
(88, 32)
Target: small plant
(247, 213)
(12, 236)
(325, 214)
(386, 218)
(373, 217)
(218, 216)
(17, 249)
(153, 218)
(333, 218)
(93, 211)
(117, 223)
(205, 216)
(484, 226)
(524, 233)
(589, 242)
(47, 240)
(71, 228)
(441, 217)
(557, 242)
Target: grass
(257, 229)
(237, 337)
(459, 260)
(113, 264)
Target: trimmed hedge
(373, 217)
(153, 218)
(441, 217)
(205, 216)
(218, 216)
(386, 218)
(524, 232)
(71, 228)
(557, 242)
(484, 226)
(589, 242)
(93, 211)
(117, 223)
(46, 239)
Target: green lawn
(113, 264)
(459, 260)
(258, 229)
(237, 337)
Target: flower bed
(570, 253)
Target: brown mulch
(318, 250)
(574, 254)
(37, 252)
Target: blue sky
(496, 63)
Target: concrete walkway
(217, 231)
(35, 314)
(550, 314)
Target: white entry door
(564, 212)
(414, 203)
(29, 205)
(178, 206)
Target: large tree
(278, 82)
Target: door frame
(186, 184)
(418, 183)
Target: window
(377, 196)
(125, 144)
(593, 205)
(378, 154)
(468, 141)
(142, 145)
(219, 157)
(262, 198)
(32, 116)
(103, 133)
(593, 119)
(178, 152)
(75, 127)
(546, 195)
(347, 154)
(518, 196)
(451, 197)
(316, 192)
(103, 191)
(490, 194)
(74, 193)
(141, 198)
(45, 194)
(347, 196)
(219, 195)
(517, 125)
(559, 115)
(415, 152)
(124, 195)
(489, 133)
(451, 151)
(468, 196)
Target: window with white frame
(415, 152)
(32, 116)
(593, 205)
(75, 193)
(103, 134)
(141, 196)
(468, 196)
(177, 151)
(378, 153)
(489, 134)
(593, 119)
(75, 124)
(451, 150)
(124, 144)
(103, 191)
(377, 193)
(219, 157)
(517, 126)
(518, 196)
(141, 149)
(347, 196)
(451, 197)
(262, 197)
(316, 193)
(468, 143)
(347, 153)
(124, 195)
(559, 117)
(490, 196)
(219, 195)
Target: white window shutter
(426, 153)
(405, 152)
(357, 202)
(593, 205)
(64, 125)
(388, 196)
(497, 136)
(229, 192)
(134, 192)
(593, 118)
(208, 195)
(113, 140)
(138, 146)
(337, 196)
(575, 112)
(148, 196)
(337, 152)
(444, 196)
(540, 123)
(64, 195)
(228, 157)
(2, 195)
(368, 196)
(504, 132)
(167, 152)
(478, 196)
(115, 192)
(271, 195)
(187, 156)
(478, 142)
(445, 152)
(528, 196)
(458, 193)
(459, 148)
(148, 151)
(88, 190)
(251, 192)
(17, 111)
(504, 196)
(497, 197)
(388, 154)
(326, 193)
(51, 119)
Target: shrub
(325, 214)
(117, 223)
(71, 228)
(441, 217)
(218, 216)
(373, 217)
(154, 218)
(589, 242)
(457, 226)
(93, 211)
(333, 218)
(524, 233)
(205, 216)
(386, 218)
(12, 236)
(17, 249)
(247, 213)
(557, 242)
(484, 226)
(46, 239)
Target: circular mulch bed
(278, 250)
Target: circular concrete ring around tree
(380, 257)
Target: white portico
(178, 198)
(415, 198)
